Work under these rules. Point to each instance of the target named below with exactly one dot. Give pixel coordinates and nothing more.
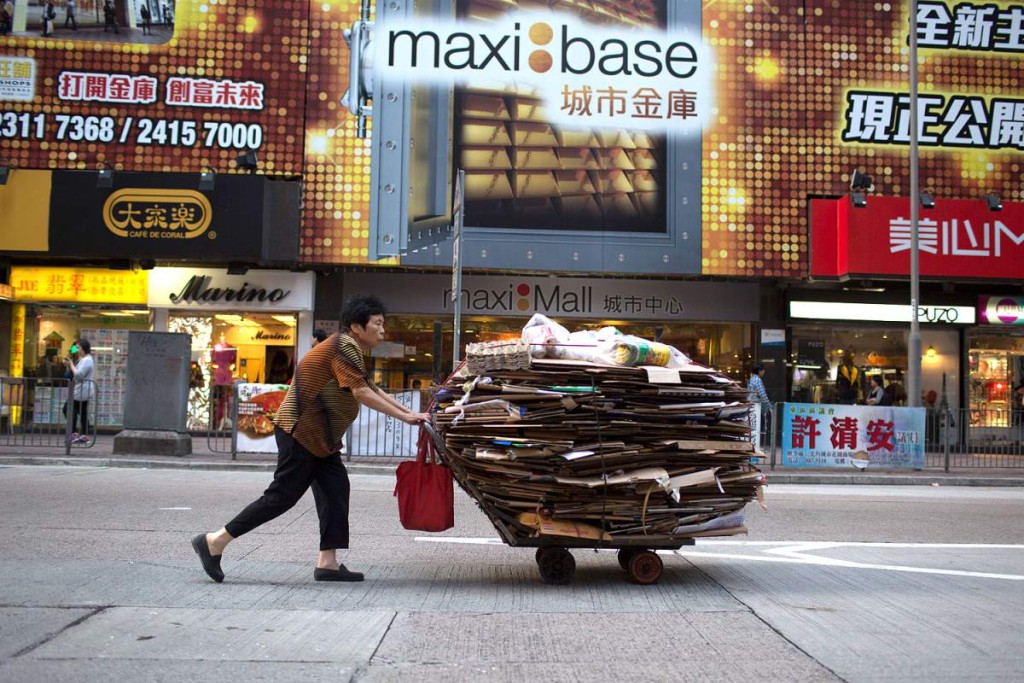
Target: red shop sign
(959, 238)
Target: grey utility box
(156, 398)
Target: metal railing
(954, 438)
(373, 434)
(42, 412)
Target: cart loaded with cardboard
(596, 439)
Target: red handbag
(426, 497)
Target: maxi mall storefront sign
(215, 289)
(558, 297)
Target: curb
(143, 463)
(814, 478)
(922, 479)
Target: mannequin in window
(847, 381)
(223, 362)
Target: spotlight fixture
(860, 185)
(927, 200)
(237, 269)
(207, 180)
(248, 161)
(859, 181)
(931, 352)
(994, 202)
(104, 176)
(147, 264)
(5, 173)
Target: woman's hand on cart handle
(412, 418)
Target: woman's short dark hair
(877, 378)
(85, 345)
(359, 309)
(319, 335)
(757, 369)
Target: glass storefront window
(51, 330)
(818, 352)
(995, 380)
(233, 347)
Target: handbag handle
(425, 445)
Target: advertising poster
(861, 437)
(257, 407)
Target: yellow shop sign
(80, 285)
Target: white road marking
(174, 508)
(796, 552)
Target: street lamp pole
(914, 343)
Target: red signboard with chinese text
(959, 238)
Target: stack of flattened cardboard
(601, 452)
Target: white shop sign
(215, 290)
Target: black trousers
(297, 470)
(78, 409)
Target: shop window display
(996, 381)
(834, 365)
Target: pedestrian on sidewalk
(109, 16)
(758, 394)
(69, 16)
(146, 19)
(82, 372)
(323, 401)
(49, 14)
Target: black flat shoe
(339, 574)
(211, 563)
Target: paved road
(97, 581)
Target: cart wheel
(556, 565)
(625, 555)
(645, 567)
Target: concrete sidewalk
(100, 454)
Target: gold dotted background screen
(783, 69)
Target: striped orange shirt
(319, 406)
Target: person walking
(82, 372)
(69, 15)
(6, 17)
(49, 14)
(759, 395)
(330, 384)
(146, 19)
(109, 17)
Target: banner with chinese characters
(209, 81)
(960, 238)
(861, 437)
(79, 285)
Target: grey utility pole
(914, 343)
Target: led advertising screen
(631, 136)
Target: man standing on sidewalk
(69, 16)
(322, 402)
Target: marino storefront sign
(214, 289)
(565, 297)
